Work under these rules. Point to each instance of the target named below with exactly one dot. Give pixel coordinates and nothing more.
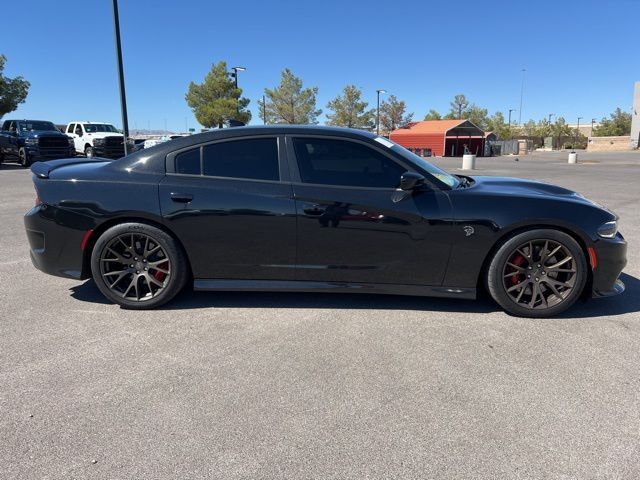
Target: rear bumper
(612, 258)
(55, 239)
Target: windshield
(440, 174)
(99, 127)
(36, 126)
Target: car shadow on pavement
(189, 299)
(11, 166)
(628, 302)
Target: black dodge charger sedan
(299, 208)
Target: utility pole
(379, 91)
(593, 120)
(521, 95)
(264, 109)
(123, 95)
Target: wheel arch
(481, 286)
(103, 227)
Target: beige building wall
(609, 144)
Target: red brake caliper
(159, 275)
(519, 260)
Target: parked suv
(27, 141)
(97, 139)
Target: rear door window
(253, 158)
(188, 163)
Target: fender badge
(469, 230)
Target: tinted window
(340, 162)
(188, 162)
(79, 129)
(254, 158)
(36, 126)
(71, 127)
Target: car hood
(104, 134)
(42, 133)
(508, 186)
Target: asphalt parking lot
(299, 386)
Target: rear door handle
(181, 197)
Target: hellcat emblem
(469, 230)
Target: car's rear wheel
(138, 266)
(24, 158)
(539, 273)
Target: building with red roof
(442, 138)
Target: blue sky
(581, 57)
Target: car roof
(25, 120)
(158, 152)
(84, 121)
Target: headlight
(71, 143)
(608, 230)
(98, 141)
(31, 141)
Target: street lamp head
(381, 91)
(238, 69)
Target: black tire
(145, 276)
(24, 158)
(89, 151)
(537, 274)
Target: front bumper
(611, 254)
(109, 152)
(52, 153)
(55, 239)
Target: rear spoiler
(43, 169)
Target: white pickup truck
(97, 139)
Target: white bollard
(573, 157)
(468, 162)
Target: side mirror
(411, 180)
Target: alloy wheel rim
(135, 267)
(539, 274)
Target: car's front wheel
(24, 158)
(538, 273)
(89, 152)
(138, 266)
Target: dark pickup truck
(27, 141)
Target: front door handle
(181, 197)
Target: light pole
(123, 95)
(593, 120)
(521, 95)
(379, 91)
(577, 133)
(511, 110)
(235, 77)
(264, 109)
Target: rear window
(255, 158)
